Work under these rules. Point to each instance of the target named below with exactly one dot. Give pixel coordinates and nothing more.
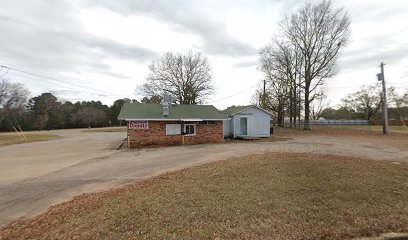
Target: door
(243, 125)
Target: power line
(364, 85)
(248, 88)
(398, 83)
(92, 91)
(235, 94)
(58, 85)
(52, 83)
(401, 78)
(404, 75)
(62, 86)
(5, 73)
(55, 79)
(352, 86)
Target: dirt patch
(273, 195)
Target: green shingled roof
(230, 111)
(234, 109)
(147, 111)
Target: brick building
(168, 124)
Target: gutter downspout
(182, 131)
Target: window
(190, 129)
(173, 129)
(207, 122)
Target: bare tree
(399, 101)
(364, 103)
(318, 31)
(275, 100)
(319, 106)
(13, 98)
(277, 84)
(187, 77)
(279, 63)
(258, 99)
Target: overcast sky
(100, 50)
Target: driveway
(35, 176)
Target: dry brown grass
(9, 138)
(107, 129)
(392, 139)
(269, 196)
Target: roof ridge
(174, 104)
(155, 111)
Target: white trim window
(189, 129)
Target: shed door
(243, 125)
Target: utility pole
(264, 95)
(381, 77)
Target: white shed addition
(246, 121)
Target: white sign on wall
(173, 129)
(138, 125)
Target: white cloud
(108, 45)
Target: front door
(243, 123)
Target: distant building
(246, 121)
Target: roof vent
(167, 100)
(166, 109)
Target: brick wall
(206, 133)
(156, 134)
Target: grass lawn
(379, 128)
(107, 129)
(397, 129)
(268, 196)
(354, 133)
(9, 139)
(391, 128)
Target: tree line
(366, 103)
(46, 111)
